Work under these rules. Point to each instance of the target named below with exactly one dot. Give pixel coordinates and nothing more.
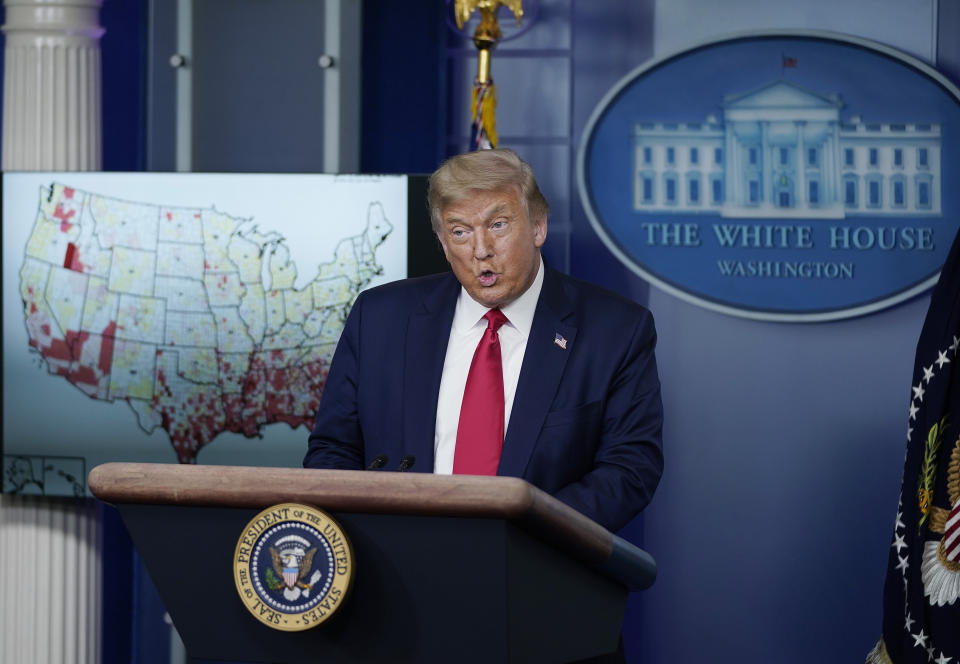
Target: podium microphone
(378, 462)
(406, 463)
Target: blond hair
(484, 170)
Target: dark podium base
(426, 589)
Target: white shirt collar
(519, 313)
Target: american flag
(921, 609)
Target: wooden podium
(447, 568)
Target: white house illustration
(782, 151)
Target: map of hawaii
(189, 315)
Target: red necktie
(480, 431)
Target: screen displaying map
(179, 317)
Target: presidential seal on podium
(293, 566)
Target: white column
(50, 571)
(766, 188)
(51, 85)
(732, 172)
(50, 562)
(800, 182)
(833, 174)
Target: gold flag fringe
(483, 103)
(879, 654)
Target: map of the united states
(189, 315)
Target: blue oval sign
(791, 176)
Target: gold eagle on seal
(291, 565)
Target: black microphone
(406, 463)
(378, 462)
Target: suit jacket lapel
(428, 330)
(543, 364)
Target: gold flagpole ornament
(483, 133)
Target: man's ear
(540, 231)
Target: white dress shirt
(465, 333)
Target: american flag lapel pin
(560, 341)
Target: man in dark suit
(505, 366)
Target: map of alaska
(189, 315)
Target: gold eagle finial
(488, 30)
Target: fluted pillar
(50, 574)
(50, 562)
(51, 85)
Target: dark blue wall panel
(123, 51)
(402, 125)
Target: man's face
(492, 245)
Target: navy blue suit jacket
(586, 420)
